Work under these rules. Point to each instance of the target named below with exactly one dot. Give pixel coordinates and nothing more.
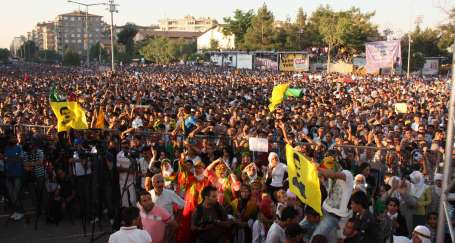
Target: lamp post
(86, 34)
(112, 10)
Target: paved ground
(24, 232)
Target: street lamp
(112, 10)
(418, 21)
(86, 34)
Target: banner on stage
(382, 54)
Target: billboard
(294, 62)
(264, 63)
(431, 67)
(244, 61)
(382, 54)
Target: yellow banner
(294, 62)
(303, 179)
(69, 115)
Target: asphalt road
(23, 231)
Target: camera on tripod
(135, 153)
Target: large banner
(244, 61)
(382, 54)
(264, 63)
(294, 62)
(431, 67)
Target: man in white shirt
(163, 197)
(335, 206)
(276, 233)
(126, 177)
(129, 233)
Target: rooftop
(78, 13)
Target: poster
(382, 54)
(258, 144)
(294, 62)
(431, 67)
(244, 61)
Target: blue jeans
(14, 185)
(327, 227)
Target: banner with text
(382, 54)
(294, 62)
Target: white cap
(423, 233)
(437, 176)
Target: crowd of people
(173, 164)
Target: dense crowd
(173, 162)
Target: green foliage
(164, 51)
(214, 44)
(424, 43)
(260, 35)
(238, 25)
(28, 50)
(49, 56)
(71, 58)
(126, 38)
(98, 53)
(4, 55)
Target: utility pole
(86, 34)
(112, 10)
(446, 176)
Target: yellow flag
(69, 115)
(277, 95)
(100, 119)
(303, 179)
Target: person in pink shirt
(155, 220)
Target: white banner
(382, 54)
(258, 144)
(431, 67)
(244, 61)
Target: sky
(20, 16)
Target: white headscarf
(271, 155)
(424, 233)
(360, 183)
(418, 184)
(437, 176)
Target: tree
(164, 51)
(71, 58)
(4, 55)
(98, 53)
(214, 44)
(49, 56)
(238, 25)
(423, 44)
(126, 38)
(447, 31)
(260, 35)
(300, 19)
(28, 50)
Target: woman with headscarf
(196, 181)
(168, 174)
(436, 190)
(264, 220)
(423, 195)
(275, 173)
(222, 178)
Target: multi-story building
(70, 32)
(17, 42)
(45, 37)
(188, 23)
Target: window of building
(79, 41)
(67, 41)
(73, 41)
(72, 18)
